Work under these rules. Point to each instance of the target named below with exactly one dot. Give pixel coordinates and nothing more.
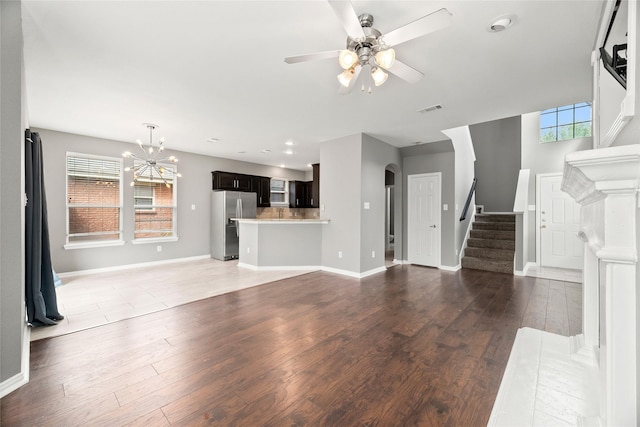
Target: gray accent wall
(498, 152)
(13, 336)
(193, 189)
(429, 158)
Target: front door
(559, 224)
(424, 219)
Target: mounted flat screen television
(614, 72)
(613, 51)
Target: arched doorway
(392, 228)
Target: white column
(606, 182)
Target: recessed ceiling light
(309, 165)
(501, 23)
(289, 143)
(266, 150)
(213, 139)
(281, 166)
(289, 152)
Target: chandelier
(149, 167)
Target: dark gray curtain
(40, 292)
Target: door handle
(432, 226)
(543, 226)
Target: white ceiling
(216, 69)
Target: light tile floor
(96, 299)
(561, 274)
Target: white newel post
(606, 183)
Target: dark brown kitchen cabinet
(298, 194)
(261, 185)
(231, 181)
(315, 187)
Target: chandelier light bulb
(345, 77)
(148, 166)
(347, 58)
(386, 58)
(379, 76)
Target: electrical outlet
(159, 248)
(373, 254)
(339, 254)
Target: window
(143, 197)
(94, 200)
(568, 122)
(154, 203)
(279, 192)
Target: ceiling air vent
(432, 108)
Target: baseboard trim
(129, 266)
(21, 378)
(525, 270)
(353, 273)
(450, 268)
(280, 267)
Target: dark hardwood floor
(412, 346)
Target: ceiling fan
(368, 47)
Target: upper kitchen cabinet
(261, 185)
(298, 191)
(305, 194)
(315, 186)
(231, 181)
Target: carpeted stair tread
(491, 243)
(488, 253)
(495, 218)
(493, 234)
(500, 226)
(494, 244)
(488, 265)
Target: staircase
(491, 244)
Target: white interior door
(424, 219)
(559, 224)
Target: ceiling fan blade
(342, 90)
(312, 56)
(405, 72)
(427, 24)
(348, 18)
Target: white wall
(542, 158)
(193, 189)
(14, 346)
(465, 158)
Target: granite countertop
(283, 220)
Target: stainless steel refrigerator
(225, 233)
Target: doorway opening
(389, 216)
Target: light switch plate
(367, 205)
(445, 207)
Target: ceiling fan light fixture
(345, 77)
(347, 58)
(386, 58)
(379, 76)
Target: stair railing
(468, 202)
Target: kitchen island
(280, 244)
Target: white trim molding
(18, 380)
(606, 183)
(129, 266)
